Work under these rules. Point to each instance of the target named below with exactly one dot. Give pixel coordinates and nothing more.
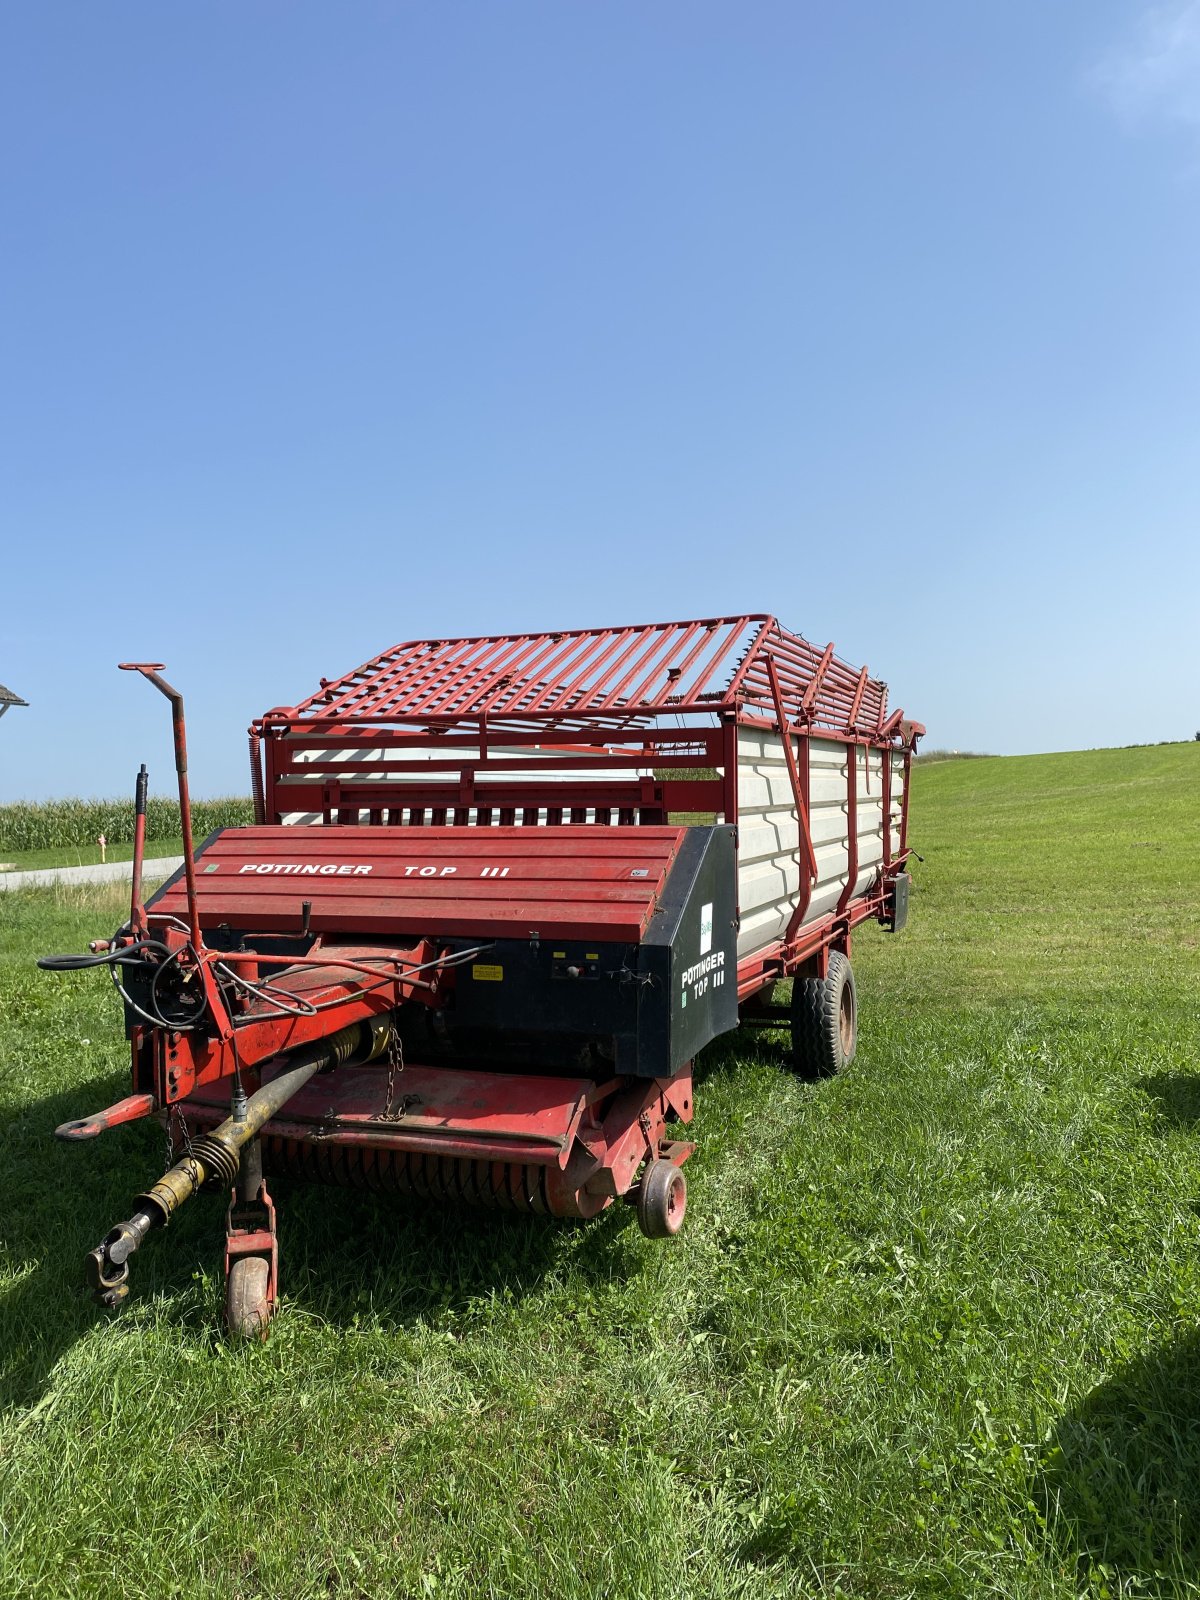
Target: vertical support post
(804, 765)
(149, 670)
(729, 760)
(847, 893)
(137, 912)
(904, 801)
(886, 757)
(807, 870)
(271, 747)
(785, 734)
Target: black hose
(106, 958)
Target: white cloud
(1156, 73)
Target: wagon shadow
(730, 1053)
(1177, 1097)
(59, 1200)
(342, 1251)
(405, 1258)
(1120, 1483)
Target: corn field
(70, 824)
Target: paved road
(157, 868)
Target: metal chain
(395, 1060)
(175, 1113)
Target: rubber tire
(825, 1020)
(662, 1200)
(247, 1315)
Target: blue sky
(323, 327)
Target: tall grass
(73, 823)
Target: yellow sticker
(560, 955)
(592, 955)
(483, 974)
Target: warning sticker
(706, 928)
(486, 974)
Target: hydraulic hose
(106, 958)
(212, 1160)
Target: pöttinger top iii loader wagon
(471, 947)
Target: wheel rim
(676, 1202)
(846, 1020)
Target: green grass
(88, 856)
(930, 1328)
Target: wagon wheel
(247, 1310)
(662, 1200)
(825, 1020)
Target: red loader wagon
(475, 939)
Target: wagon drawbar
(476, 935)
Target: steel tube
(137, 914)
(149, 671)
(214, 1157)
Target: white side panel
(768, 839)
(769, 830)
(827, 816)
(545, 774)
(870, 817)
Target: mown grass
(85, 856)
(930, 1329)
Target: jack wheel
(247, 1310)
(825, 1020)
(662, 1200)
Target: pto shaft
(212, 1160)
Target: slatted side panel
(769, 830)
(401, 815)
(768, 839)
(870, 816)
(828, 817)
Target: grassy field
(88, 855)
(930, 1329)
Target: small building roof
(8, 698)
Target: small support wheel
(662, 1200)
(247, 1302)
(825, 1020)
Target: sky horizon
(324, 330)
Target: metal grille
(498, 1185)
(604, 678)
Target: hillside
(1057, 874)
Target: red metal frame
(587, 1140)
(250, 1231)
(492, 714)
(600, 675)
(525, 731)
